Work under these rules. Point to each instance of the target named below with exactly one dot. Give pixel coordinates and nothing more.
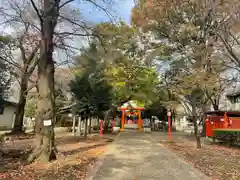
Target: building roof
(132, 105)
(6, 102)
(11, 100)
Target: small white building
(183, 122)
(7, 115)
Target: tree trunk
(204, 128)
(86, 128)
(46, 111)
(215, 107)
(18, 124)
(106, 121)
(194, 116)
(82, 124)
(45, 115)
(90, 125)
(174, 120)
(98, 121)
(203, 121)
(38, 131)
(37, 127)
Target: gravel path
(137, 156)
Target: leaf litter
(72, 161)
(217, 162)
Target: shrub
(96, 127)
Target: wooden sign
(47, 122)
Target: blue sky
(121, 9)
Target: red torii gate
(138, 113)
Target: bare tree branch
(229, 49)
(37, 11)
(71, 34)
(33, 85)
(65, 3)
(33, 54)
(110, 16)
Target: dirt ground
(217, 161)
(74, 157)
(76, 154)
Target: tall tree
(22, 17)
(46, 99)
(123, 65)
(187, 87)
(29, 56)
(49, 16)
(187, 27)
(92, 93)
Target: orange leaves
(149, 10)
(75, 155)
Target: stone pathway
(137, 156)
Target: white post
(73, 127)
(79, 126)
